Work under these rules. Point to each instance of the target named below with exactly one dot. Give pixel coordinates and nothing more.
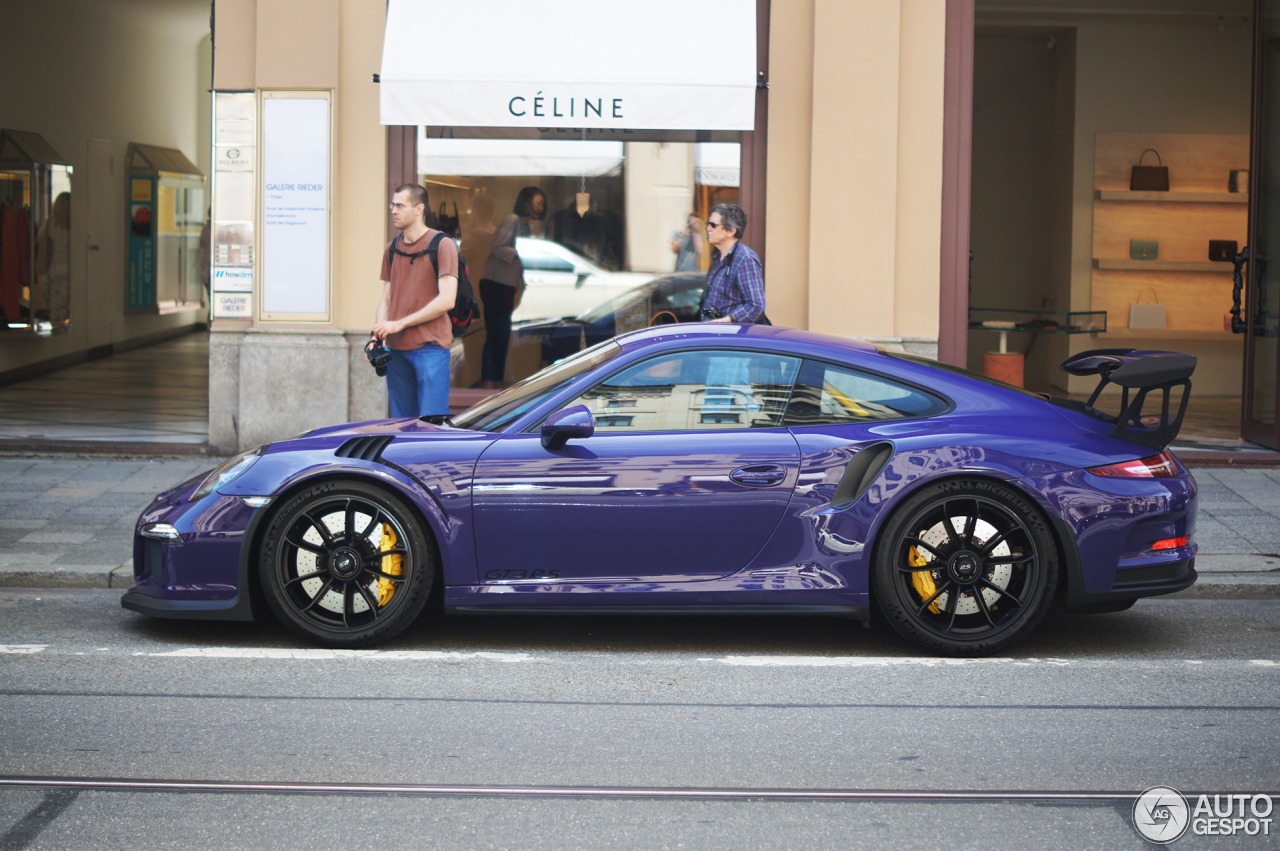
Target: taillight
(1171, 543)
(1155, 467)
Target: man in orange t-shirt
(413, 316)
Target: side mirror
(570, 424)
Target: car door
(687, 475)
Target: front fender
(281, 475)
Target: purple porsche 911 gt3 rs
(704, 469)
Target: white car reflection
(559, 282)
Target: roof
(153, 159)
(745, 335)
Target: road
(719, 732)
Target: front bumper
(235, 609)
(199, 574)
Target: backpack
(465, 308)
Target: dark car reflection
(668, 299)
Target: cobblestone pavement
(68, 521)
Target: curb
(1193, 458)
(101, 449)
(119, 582)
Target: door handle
(93, 248)
(759, 476)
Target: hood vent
(367, 448)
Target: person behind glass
(503, 282)
(735, 281)
(412, 316)
(687, 244)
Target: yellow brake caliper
(392, 565)
(922, 580)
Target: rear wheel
(965, 568)
(346, 564)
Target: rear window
(955, 370)
(827, 394)
(1069, 404)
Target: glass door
(1262, 293)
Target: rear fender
(1066, 546)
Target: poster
(295, 206)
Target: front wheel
(346, 564)
(965, 568)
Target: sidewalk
(68, 522)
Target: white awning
(651, 65)
(519, 157)
(717, 163)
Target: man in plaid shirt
(735, 282)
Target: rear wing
(1142, 371)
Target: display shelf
(1123, 265)
(1069, 321)
(1171, 334)
(1197, 210)
(1172, 197)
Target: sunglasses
(713, 225)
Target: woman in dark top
(503, 281)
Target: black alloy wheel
(346, 564)
(965, 568)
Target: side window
(543, 261)
(827, 394)
(696, 390)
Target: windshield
(497, 412)
(622, 304)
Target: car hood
(351, 447)
(406, 426)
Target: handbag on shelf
(1222, 250)
(1144, 249)
(1147, 315)
(1149, 178)
(452, 225)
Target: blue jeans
(418, 381)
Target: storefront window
(35, 235)
(597, 220)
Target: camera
(709, 313)
(377, 355)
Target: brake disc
(998, 575)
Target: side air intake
(367, 448)
(860, 473)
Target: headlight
(227, 472)
(162, 532)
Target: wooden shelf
(1162, 266)
(1173, 197)
(1169, 334)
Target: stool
(1003, 366)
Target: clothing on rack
(10, 286)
